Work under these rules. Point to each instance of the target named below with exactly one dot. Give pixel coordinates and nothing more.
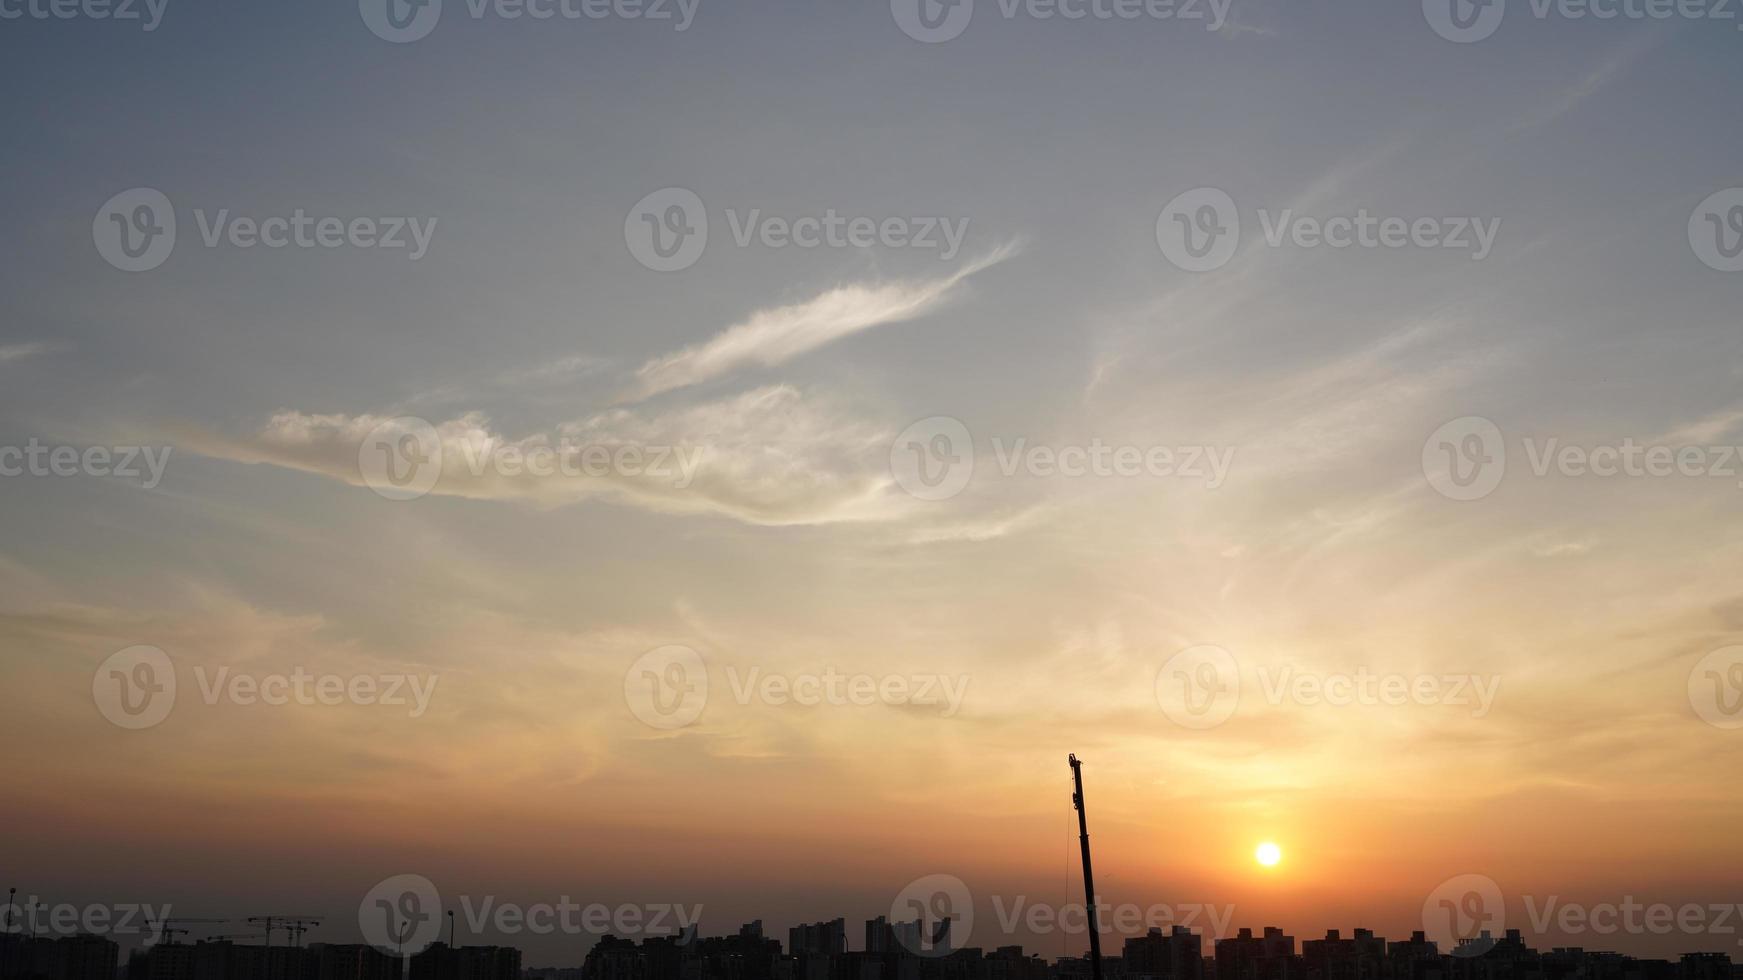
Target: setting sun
(1268, 854)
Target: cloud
(1706, 431)
(1563, 549)
(979, 530)
(769, 456)
(18, 352)
(1569, 98)
(778, 334)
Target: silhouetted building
(877, 935)
(1416, 958)
(225, 960)
(823, 938)
(162, 961)
(80, 957)
(352, 961)
(439, 961)
(1245, 956)
(1177, 954)
(884, 936)
(1174, 955)
(1010, 963)
(1360, 957)
(552, 973)
(1705, 966)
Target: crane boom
(1088, 875)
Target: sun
(1268, 854)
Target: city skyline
(728, 455)
(406, 913)
(924, 939)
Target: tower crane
(229, 937)
(170, 928)
(293, 925)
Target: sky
(989, 460)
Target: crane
(296, 927)
(171, 927)
(293, 925)
(1088, 875)
(229, 937)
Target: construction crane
(293, 925)
(230, 937)
(1088, 875)
(171, 927)
(296, 928)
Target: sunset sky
(1050, 603)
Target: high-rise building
(439, 961)
(1174, 955)
(1705, 966)
(79, 957)
(820, 938)
(1416, 958)
(877, 935)
(1361, 957)
(352, 961)
(1245, 956)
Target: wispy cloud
(778, 334)
(1561, 102)
(18, 352)
(1563, 549)
(1706, 431)
(769, 456)
(974, 531)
